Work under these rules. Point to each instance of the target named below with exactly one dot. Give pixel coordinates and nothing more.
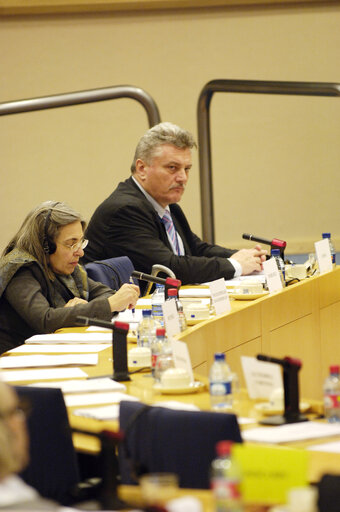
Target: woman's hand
(125, 297)
(74, 302)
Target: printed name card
(182, 357)
(219, 296)
(323, 255)
(171, 318)
(261, 377)
(273, 276)
(269, 472)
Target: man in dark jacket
(141, 218)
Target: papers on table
(43, 360)
(333, 447)
(108, 412)
(62, 348)
(73, 337)
(174, 404)
(84, 386)
(96, 398)
(292, 432)
(50, 374)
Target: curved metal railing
(81, 97)
(203, 120)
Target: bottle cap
(219, 356)
(275, 252)
(172, 292)
(160, 331)
(224, 447)
(326, 235)
(146, 312)
(335, 368)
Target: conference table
(301, 321)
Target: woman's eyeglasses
(78, 245)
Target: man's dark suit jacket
(126, 224)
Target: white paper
(84, 386)
(219, 296)
(106, 413)
(36, 361)
(333, 447)
(73, 337)
(174, 404)
(291, 432)
(194, 292)
(323, 255)
(181, 357)
(62, 348)
(97, 398)
(143, 302)
(171, 318)
(273, 276)
(261, 377)
(50, 374)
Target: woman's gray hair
(42, 226)
(158, 135)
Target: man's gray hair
(158, 135)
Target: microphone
(281, 244)
(286, 361)
(84, 320)
(169, 282)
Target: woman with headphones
(42, 285)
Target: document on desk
(333, 447)
(50, 374)
(291, 432)
(60, 348)
(84, 386)
(72, 337)
(97, 398)
(105, 413)
(37, 361)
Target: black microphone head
(246, 236)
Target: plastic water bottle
(158, 347)
(225, 480)
(173, 295)
(220, 384)
(331, 395)
(331, 246)
(280, 264)
(157, 301)
(146, 331)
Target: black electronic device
(291, 412)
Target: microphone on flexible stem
(169, 282)
(291, 368)
(275, 242)
(119, 344)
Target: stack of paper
(73, 337)
(37, 361)
(291, 432)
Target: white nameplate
(323, 255)
(219, 296)
(261, 377)
(171, 318)
(272, 274)
(182, 357)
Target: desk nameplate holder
(291, 413)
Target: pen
(132, 309)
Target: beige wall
(275, 159)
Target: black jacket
(126, 224)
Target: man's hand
(250, 259)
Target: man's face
(166, 176)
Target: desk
(301, 321)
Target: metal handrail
(203, 121)
(81, 97)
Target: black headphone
(48, 245)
